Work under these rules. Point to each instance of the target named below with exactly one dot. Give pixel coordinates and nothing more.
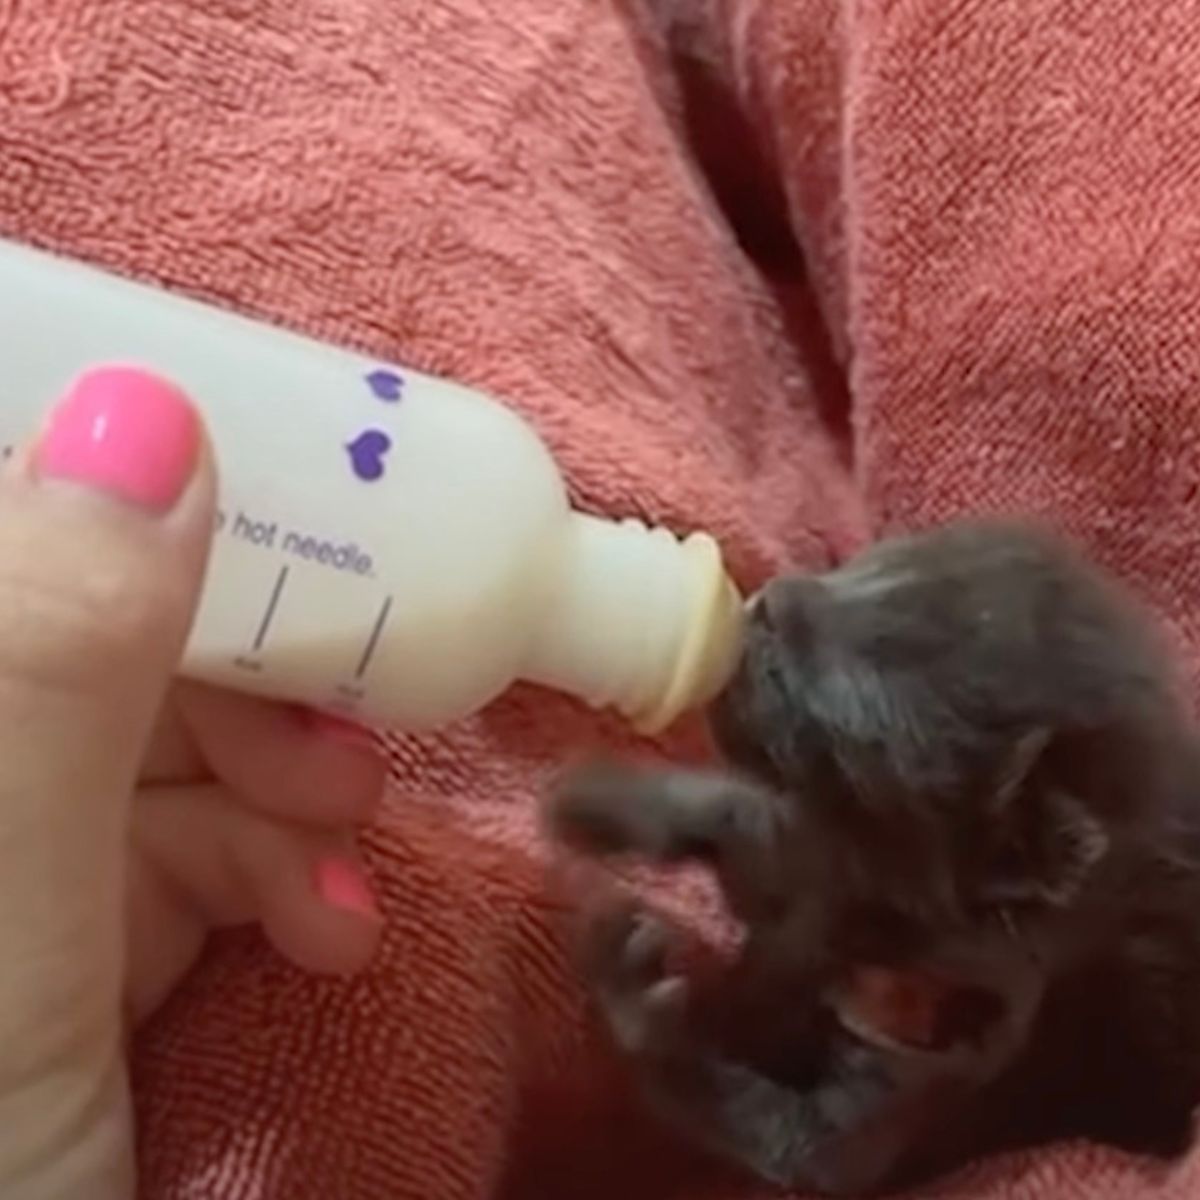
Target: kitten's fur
(957, 767)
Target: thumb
(104, 531)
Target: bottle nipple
(711, 644)
(638, 620)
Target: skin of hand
(245, 813)
(136, 813)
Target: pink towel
(598, 209)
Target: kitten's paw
(643, 1003)
(603, 809)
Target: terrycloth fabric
(593, 208)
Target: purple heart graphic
(366, 454)
(386, 385)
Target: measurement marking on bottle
(272, 605)
(373, 640)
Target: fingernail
(124, 432)
(339, 729)
(343, 885)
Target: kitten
(961, 829)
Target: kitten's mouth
(727, 727)
(735, 715)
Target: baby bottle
(389, 545)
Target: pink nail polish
(339, 729)
(343, 885)
(124, 432)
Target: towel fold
(793, 271)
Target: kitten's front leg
(843, 1135)
(672, 815)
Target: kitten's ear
(1049, 840)
(1050, 864)
(1015, 771)
(1073, 842)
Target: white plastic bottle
(390, 545)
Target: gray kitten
(961, 827)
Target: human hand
(245, 813)
(239, 812)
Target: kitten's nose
(785, 606)
(761, 611)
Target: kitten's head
(961, 721)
